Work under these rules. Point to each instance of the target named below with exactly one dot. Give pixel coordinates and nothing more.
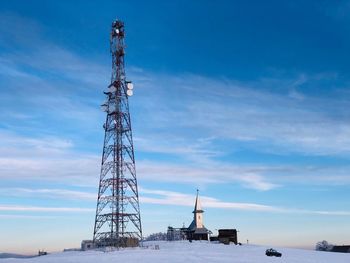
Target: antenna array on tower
(118, 220)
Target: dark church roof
(196, 230)
(202, 230)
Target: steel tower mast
(118, 221)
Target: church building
(196, 230)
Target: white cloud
(20, 208)
(163, 197)
(19, 146)
(46, 159)
(252, 111)
(212, 173)
(82, 170)
(330, 213)
(147, 196)
(45, 55)
(50, 193)
(199, 150)
(191, 117)
(176, 198)
(36, 217)
(26, 158)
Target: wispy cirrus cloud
(21, 208)
(251, 176)
(196, 119)
(175, 198)
(46, 159)
(151, 196)
(35, 51)
(80, 170)
(269, 111)
(35, 217)
(56, 160)
(213, 173)
(43, 84)
(20, 146)
(51, 193)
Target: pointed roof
(197, 205)
(197, 226)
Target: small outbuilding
(341, 249)
(87, 245)
(227, 236)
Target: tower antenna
(118, 220)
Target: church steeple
(196, 230)
(198, 217)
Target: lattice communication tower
(118, 220)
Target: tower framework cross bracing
(118, 220)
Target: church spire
(197, 230)
(197, 205)
(198, 217)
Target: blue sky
(246, 100)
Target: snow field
(184, 251)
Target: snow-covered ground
(195, 252)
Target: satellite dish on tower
(130, 85)
(129, 92)
(130, 88)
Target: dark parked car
(272, 253)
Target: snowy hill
(11, 255)
(195, 252)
